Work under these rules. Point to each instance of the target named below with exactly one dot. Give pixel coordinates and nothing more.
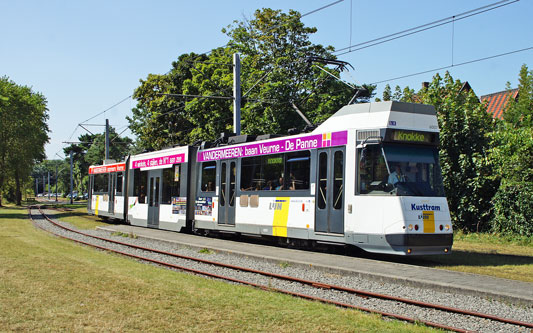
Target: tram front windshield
(400, 170)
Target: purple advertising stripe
(158, 161)
(276, 147)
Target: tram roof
(382, 114)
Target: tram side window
(101, 183)
(120, 178)
(171, 183)
(298, 165)
(208, 176)
(276, 172)
(372, 170)
(262, 173)
(139, 184)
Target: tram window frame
(208, 176)
(171, 187)
(98, 183)
(267, 172)
(140, 181)
(371, 170)
(119, 184)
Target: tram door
(329, 217)
(226, 198)
(154, 197)
(112, 186)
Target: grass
(487, 254)
(51, 284)
(205, 251)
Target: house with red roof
(497, 102)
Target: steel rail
(256, 285)
(315, 284)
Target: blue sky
(85, 56)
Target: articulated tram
(369, 176)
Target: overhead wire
(455, 65)
(424, 27)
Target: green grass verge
(487, 254)
(51, 284)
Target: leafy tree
(513, 157)
(399, 95)
(387, 93)
(519, 113)
(276, 77)
(23, 133)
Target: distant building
(497, 102)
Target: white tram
(368, 176)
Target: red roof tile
(497, 102)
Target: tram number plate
(429, 221)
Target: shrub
(513, 210)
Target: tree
(519, 113)
(23, 133)
(276, 77)
(512, 154)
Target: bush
(513, 210)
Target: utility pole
(71, 180)
(49, 185)
(56, 182)
(44, 185)
(36, 186)
(106, 139)
(236, 94)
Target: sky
(86, 56)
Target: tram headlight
(416, 227)
(447, 227)
(410, 227)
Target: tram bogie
(368, 176)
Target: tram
(368, 176)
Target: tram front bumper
(414, 240)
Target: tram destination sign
(411, 136)
(159, 161)
(286, 145)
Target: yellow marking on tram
(429, 221)
(281, 216)
(96, 208)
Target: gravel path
(453, 300)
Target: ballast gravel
(472, 303)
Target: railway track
(334, 294)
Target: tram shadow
(458, 258)
(469, 258)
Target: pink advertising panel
(160, 161)
(275, 147)
(107, 168)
